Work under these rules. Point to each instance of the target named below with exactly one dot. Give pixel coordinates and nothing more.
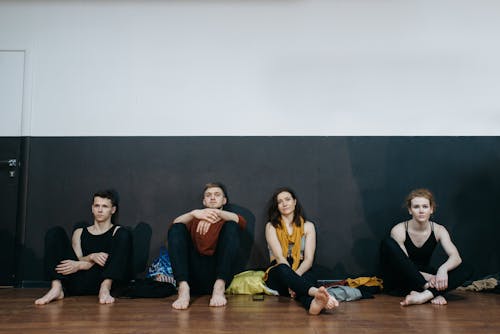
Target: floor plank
(467, 312)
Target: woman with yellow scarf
(291, 240)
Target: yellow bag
(249, 283)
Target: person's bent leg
(456, 277)
(57, 248)
(319, 299)
(119, 263)
(105, 292)
(398, 270)
(117, 270)
(322, 300)
(227, 249)
(282, 278)
(55, 293)
(228, 245)
(179, 249)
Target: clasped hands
(438, 281)
(207, 217)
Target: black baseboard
(33, 284)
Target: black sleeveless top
(421, 256)
(96, 243)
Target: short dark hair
(216, 185)
(109, 194)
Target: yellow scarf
(296, 238)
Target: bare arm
(209, 215)
(310, 248)
(67, 266)
(228, 216)
(274, 244)
(454, 260)
(398, 233)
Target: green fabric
(249, 283)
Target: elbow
(308, 262)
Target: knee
(122, 235)
(230, 233)
(230, 227)
(282, 269)
(55, 234)
(388, 245)
(176, 232)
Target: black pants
(201, 271)
(282, 277)
(87, 282)
(401, 275)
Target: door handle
(11, 163)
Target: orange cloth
(207, 243)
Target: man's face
(102, 209)
(214, 198)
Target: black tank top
(421, 256)
(96, 243)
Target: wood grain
(467, 312)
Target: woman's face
(286, 203)
(420, 209)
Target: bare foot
(322, 300)
(105, 296)
(182, 302)
(439, 300)
(55, 293)
(415, 298)
(218, 297)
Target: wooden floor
(467, 312)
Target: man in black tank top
(95, 260)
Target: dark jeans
(201, 271)
(87, 282)
(282, 277)
(401, 275)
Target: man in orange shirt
(203, 245)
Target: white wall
(11, 92)
(258, 67)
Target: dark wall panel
(352, 187)
(10, 149)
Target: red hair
(421, 192)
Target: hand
(203, 227)
(441, 280)
(67, 267)
(210, 215)
(292, 293)
(99, 258)
(432, 281)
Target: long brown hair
(273, 214)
